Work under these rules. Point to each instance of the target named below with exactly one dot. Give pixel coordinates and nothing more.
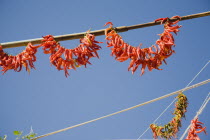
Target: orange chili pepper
(151, 57)
(64, 59)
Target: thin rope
(157, 118)
(198, 73)
(109, 115)
(207, 97)
(174, 99)
(97, 32)
(198, 113)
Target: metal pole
(96, 32)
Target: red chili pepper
(151, 57)
(64, 59)
(26, 58)
(195, 128)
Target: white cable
(157, 118)
(175, 99)
(201, 108)
(124, 110)
(198, 113)
(198, 73)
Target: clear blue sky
(48, 101)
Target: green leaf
(4, 138)
(17, 133)
(28, 137)
(32, 135)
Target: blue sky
(48, 101)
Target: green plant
(19, 135)
(4, 138)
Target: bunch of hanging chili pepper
(26, 58)
(170, 130)
(195, 127)
(151, 57)
(60, 57)
(64, 59)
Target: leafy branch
(19, 135)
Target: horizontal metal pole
(96, 32)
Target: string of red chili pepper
(170, 130)
(61, 58)
(26, 58)
(64, 59)
(151, 57)
(195, 128)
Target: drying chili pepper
(64, 59)
(26, 58)
(152, 57)
(170, 130)
(195, 128)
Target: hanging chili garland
(170, 130)
(60, 57)
(64, 59)
(195, 128)
(151, 57)
(26, 58)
